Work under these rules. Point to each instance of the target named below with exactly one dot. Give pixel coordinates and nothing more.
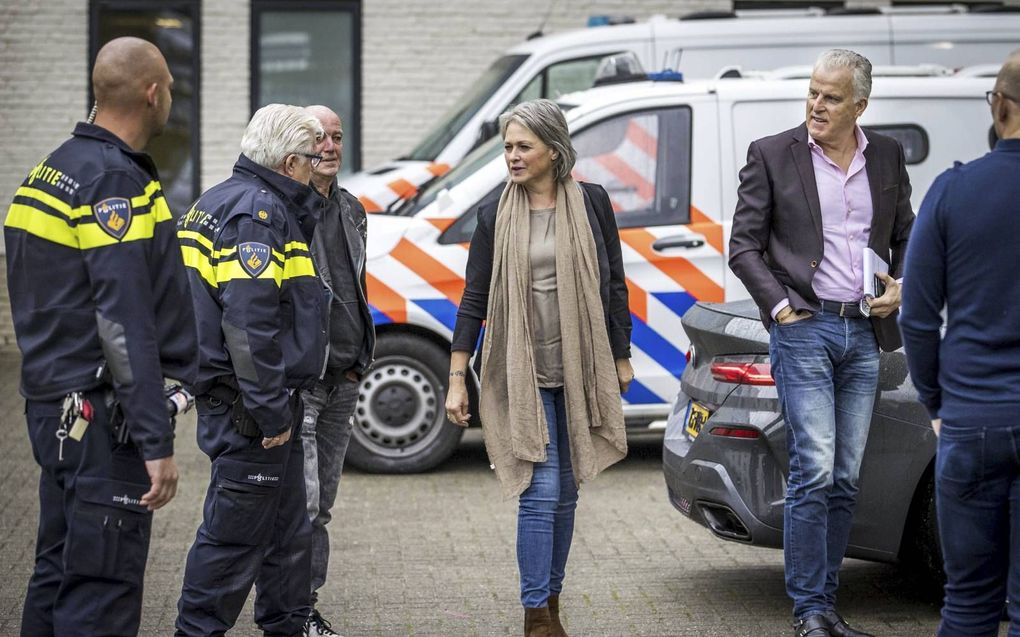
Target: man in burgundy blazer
(811, 200)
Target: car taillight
(735, 432)
(743, 373)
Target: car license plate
(696, 417)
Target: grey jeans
(325, 432)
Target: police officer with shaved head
(261, 309)
(102, 314)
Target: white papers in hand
(873, 286)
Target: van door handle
(677, 242)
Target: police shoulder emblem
(262, 211)
(113, 215)
(254, 257)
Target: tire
(922, 548)
(400, 423)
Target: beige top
(545, 309)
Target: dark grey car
(725, 459)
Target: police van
(553, 65)
(668, 153)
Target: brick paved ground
(434, 555)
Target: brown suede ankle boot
(556, 628)
(537, 622)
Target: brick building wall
(43, 70)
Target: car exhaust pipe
(724, 522)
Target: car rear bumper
(704, 491)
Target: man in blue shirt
(963, 256)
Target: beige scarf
(513, 419)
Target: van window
(474, 160)
(575, 75)
(562, 78)
(464, 227)
(643, 160)
(911, 137)
(465, 108)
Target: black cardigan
(612, 284)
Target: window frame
(194, 9)
(352, 121)
(882, 129)
(655, 110)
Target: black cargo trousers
(255, 530)
(93, 539)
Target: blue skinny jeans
(545, 515)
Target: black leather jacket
(352, 333)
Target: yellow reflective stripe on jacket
(90, 235)
(56, 203)
(42, 225)
(293, 268)
(231, 270)
(194, 259)
(85, 235)
(196, 236)
(159, 209)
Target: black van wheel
(400, 423)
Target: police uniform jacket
(95, 273)
(260, 305)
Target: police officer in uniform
(96, 281)
(261, 310)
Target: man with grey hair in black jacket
(338, 249)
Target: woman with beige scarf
(545, 272)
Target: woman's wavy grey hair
(545, 119)
(858, 65)
(277, 130)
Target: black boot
(811, 626)
(839, 628)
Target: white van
(669, 154)
(553, 65)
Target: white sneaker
(316, 626)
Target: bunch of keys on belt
(74, 420)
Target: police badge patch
(114, 216)
(254, 258)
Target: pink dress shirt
(846, 206)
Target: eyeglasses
(312, 159)
(990, 94)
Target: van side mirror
(487, 131)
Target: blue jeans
(545, 515)
(977, 490)
(325, 433)
(826, 372)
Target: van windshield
(472, 162)
(465, 108)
